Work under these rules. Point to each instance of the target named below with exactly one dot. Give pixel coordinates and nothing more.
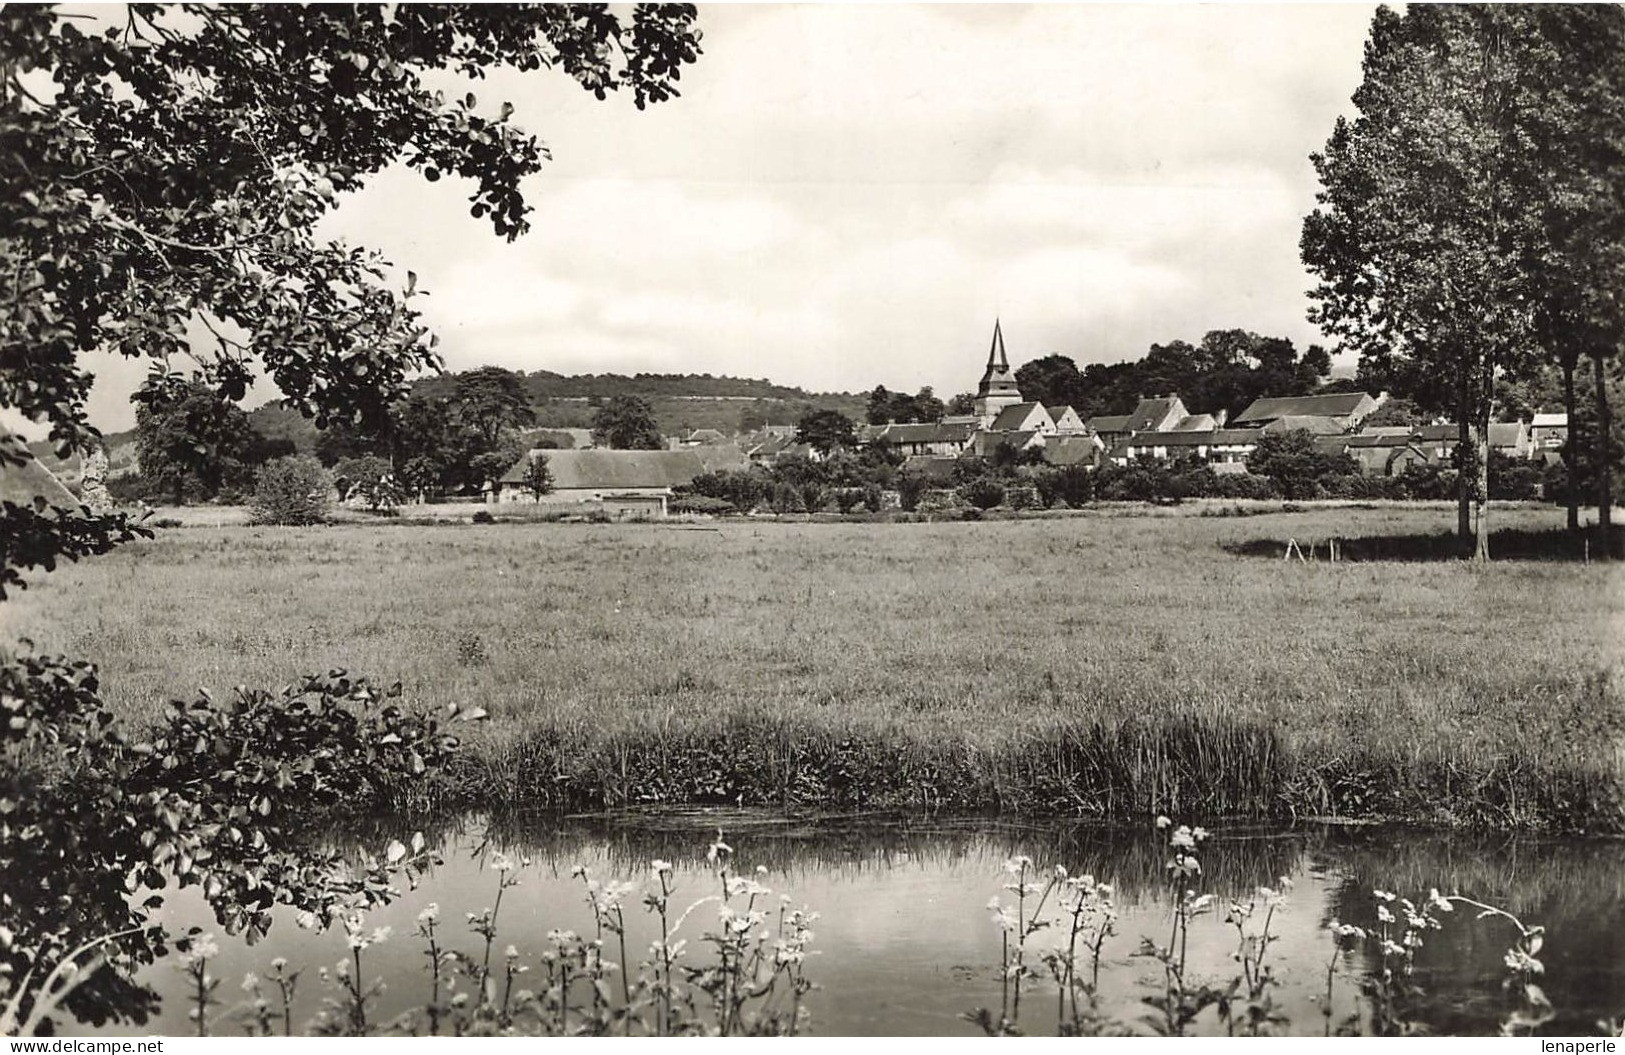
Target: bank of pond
(883, 925)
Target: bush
(1021, 496)
(983, 492)
(909, 490)
(936, 501)
(873, 498)
(848, 499)
(481, 516)
(290, 491)
(701, 504)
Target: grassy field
(1109, 662)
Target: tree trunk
(1464, 487)
(1572, 499)
(1475, 474)
(1605, 476)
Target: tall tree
(493, 401)
(189, 438)
(1580, 267)
(627, 423)
(166, 170)
(826, 430)
(1427, 211)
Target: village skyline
(847, 196)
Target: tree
(879, 411)
(826, 430)
(165, 176)
(1580, 265)
(1052, 380)
(493, 401)
(627, 423)
(290, 491)
(188, 437)
(1429, 213)
(1293, 461)
(538, 478)
(961, 404)
(368, 477)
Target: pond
(906, 943)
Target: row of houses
(1160, 427)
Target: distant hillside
(681, 402)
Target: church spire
(995, 353)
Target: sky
(845, 196)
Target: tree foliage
(166, 168)
(1433, 241)
(190, 439)
(826, 430)
(627, 423)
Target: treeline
(1283, 466)
(1226, 371)
(542, 385)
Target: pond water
(906, 944)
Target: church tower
(998, 388)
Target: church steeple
(995, 354)
(998, 388)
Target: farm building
(1548, 433)
(1344, 410)
(606, 476)
(1217, 446)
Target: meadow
(1113, 662)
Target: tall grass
(1091, 665)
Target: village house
(1547, 434)
(1159, 414)
(925, 438)
(626, 483)
(1215, 446)
(1342, 410)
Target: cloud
(846, 195)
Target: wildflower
(1017, 864)
(380, 935)
(1439, 901)
(1285, 883)
(430, 915)
(511, 953)
(307, 921)
(1060, 872)
(1392, 948)
(1163, 822)
(501, 862)
(660, 867)
(251, 982)
(1384, 915)
(1199, 833)
(1183, 838)
(1521, 962)
(1382, 895)
(279, 964)
(578, 872)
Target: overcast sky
(846, 196)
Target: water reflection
(905, 941)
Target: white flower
(1439, 901)
(659, 867)
(1163, 822)
(251, 982)
(430, 914)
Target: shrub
(1021, 496)
(166, 522)
(482, 516)
(937, 501)
(701, 504)
(873, 498)
(848, 499)
(983, 492)
(909, 490)
(290, 491)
